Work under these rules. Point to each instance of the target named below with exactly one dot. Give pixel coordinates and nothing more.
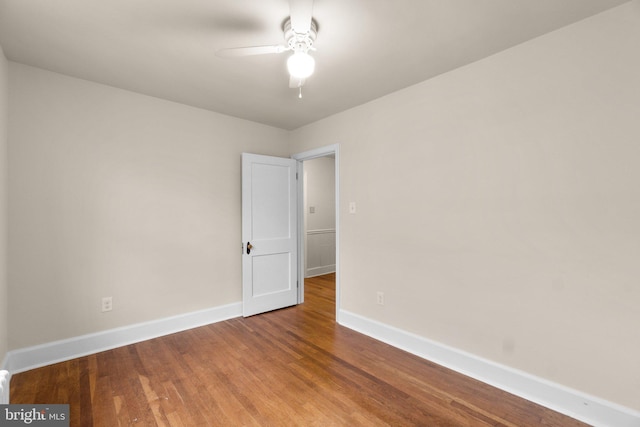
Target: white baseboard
(319, 271)
(58, 351)
(573, 403)
(5, 389)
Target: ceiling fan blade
(301, 14)
(235, 52)
(295, 82)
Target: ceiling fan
(300, 31)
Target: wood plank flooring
(289, 367)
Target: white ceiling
(365, 48)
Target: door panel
(271, 274)
(270, 201)
(269, 225)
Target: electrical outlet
(107, 304)
(380, 297)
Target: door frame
(328, 150)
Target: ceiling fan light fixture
(301, 65)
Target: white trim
(592, 410)
(323, 269)
(5, 387)
(317, 152)
(321, 231)
(320, 271)
(23, 359)
(310, 155)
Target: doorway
(320, 227)
(319, 223)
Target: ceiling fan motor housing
(300, 42)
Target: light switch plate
(352, 207)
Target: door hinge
(297, 284)
(296, 176)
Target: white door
(269, 233)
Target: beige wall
(319, 179)
(116, 194)
(499, 206)
(4, 319)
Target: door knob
(249, 247)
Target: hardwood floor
(294, 366)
